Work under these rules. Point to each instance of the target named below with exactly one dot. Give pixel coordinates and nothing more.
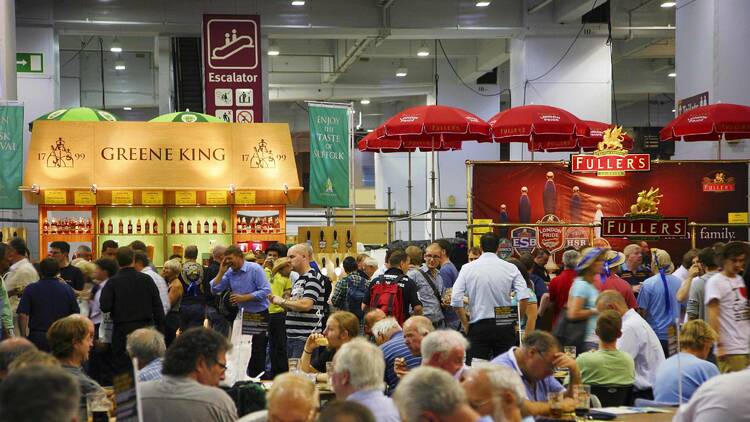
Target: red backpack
(387, 295)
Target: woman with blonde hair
(696, 340)
(171, 272)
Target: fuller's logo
(524, 239)
(644, 222)
(610, 158)
(60, 156)
(576, 237)
(549, 237)
(718, 181)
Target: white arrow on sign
(21, 62)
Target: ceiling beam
(301, 92)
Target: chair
(611, 395)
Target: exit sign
(29, 63)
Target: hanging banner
(232, 67)
(11, 155)
(329, 155)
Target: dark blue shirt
(249, 279)
(46, 301)
(392, 349)
(540, 287)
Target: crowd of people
(414, 339)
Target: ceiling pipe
(539, 7)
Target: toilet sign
(232, 67)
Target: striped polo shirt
(394, 348)
(302, 324)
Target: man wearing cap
(657, 299)
(611, 281)
(280, 278)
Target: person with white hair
(292, 396)
(385, 329)
(358, 376)
(445, 349)
(147, 345)
(494, 390)
(370, 266)
(395, 348)
(431, 394)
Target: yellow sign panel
(737, 218)
(216, 197)
(84, 197)
(184, 197)
(122, 197)
(482, 229)
(476, 239)
(152, 197)
(244, 197)
(55, 197)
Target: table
(648, 417)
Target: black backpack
(248, 396)
(225, 307)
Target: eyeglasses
(477, 406)
(432, 257)
(223, 366)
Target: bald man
(371, 318)
(10, 349)
(415, 329)
(291, 398)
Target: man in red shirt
(559, 287)
(611, 281)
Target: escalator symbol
(232, 43)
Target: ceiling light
(119, 65)
(298, 2)
(672, 74)
(127, 108)
(401, 72)
(364, 101)
(273, 50)
(423, 51)
(115, 47)
(483, 3)
(369, 130)
(674, 110)
(668, 4)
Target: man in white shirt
(638, 340)
(687, 262)
(719, 399)
(141, 263)
(727, 309)
(20, 275)
(489, 282)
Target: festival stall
(611, 195)
(168, 184)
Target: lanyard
(663, 276)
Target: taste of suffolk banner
(11, 155)
(704, 192)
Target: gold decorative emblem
(647, 202)
(612, 140)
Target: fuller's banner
(698, 191)
(329, 154)
(232, 67)
(11, 155)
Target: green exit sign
(29, 63)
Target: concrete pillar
(711, 40)
(8, 50)
(163, 62)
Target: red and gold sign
(610, 158)
(550, 238)
(718, 181)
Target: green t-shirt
(606, 367)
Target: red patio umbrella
(428, 125)
(596, 135)
(543, 127)
(709, 123)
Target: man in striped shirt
(306, 306)
(390, 338)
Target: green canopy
(186, 117)
(79, 114)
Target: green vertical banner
(11, 155)
(329, 155)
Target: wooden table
(648, 417)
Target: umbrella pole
(532, 147)
(432, 201)
(408, 188)
(720, 140)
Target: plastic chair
(611, 395)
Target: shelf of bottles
(200, 226)
(126, 224)
(70, 224)
(255, 228)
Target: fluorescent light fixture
(674, 110)
(401, 72)
(364, 101)
(119, 65)
(273, 50)
(668, 4)
(298, 2)
(115, 47)
(483, 3)
(672, 74)
(370, 130)
(127, 108)
(423, 51)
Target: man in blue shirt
(394, 347)
(534, 362)
(250, 290)
(44, 302)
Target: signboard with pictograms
(232, 67)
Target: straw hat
(588, 257)
(662, 257)
(614, 258)
(279, 264)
